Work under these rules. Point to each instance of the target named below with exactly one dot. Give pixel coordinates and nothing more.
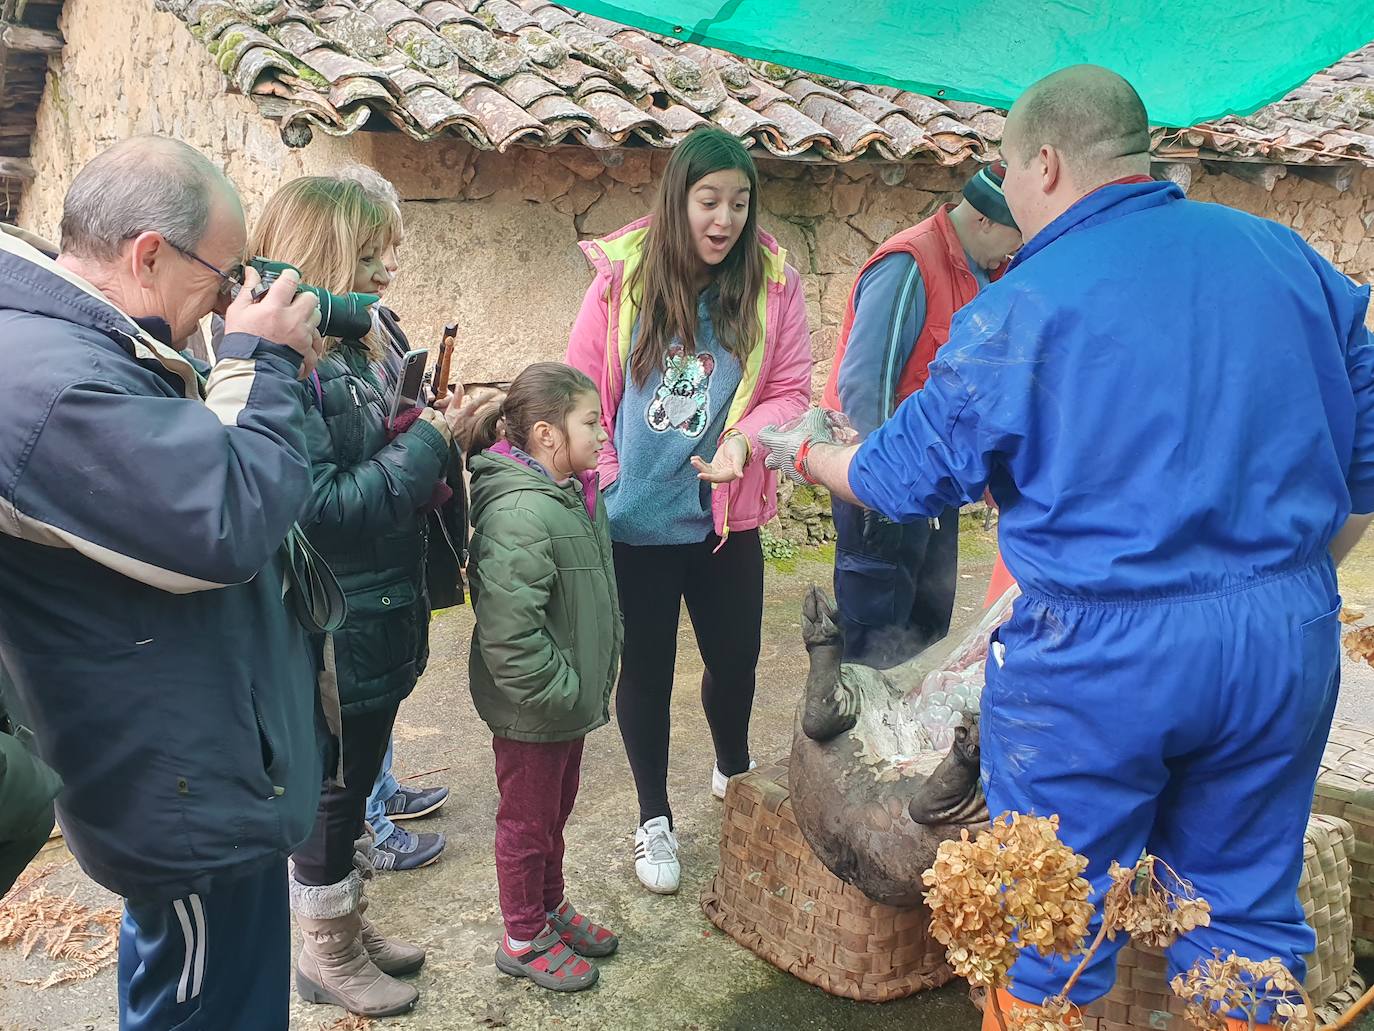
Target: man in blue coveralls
(1173, 405)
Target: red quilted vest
(949, 285)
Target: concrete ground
(675, 971)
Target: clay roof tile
(534, 72)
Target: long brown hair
(666, 277)
(544, 392)
(322, 225)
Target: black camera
(347, 316)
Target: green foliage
(778, 552)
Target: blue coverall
(1173, 405)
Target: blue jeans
(894, 583)
(382, 789)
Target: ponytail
(488, 428)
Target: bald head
(1068, 134)
(142, 184)
(1092, 116)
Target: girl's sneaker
(585, 937)
(656, 863)
(719, 781)
(548, 962)
(405, 851)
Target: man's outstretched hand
(787, 445)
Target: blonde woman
(391, 804)
(367, 518)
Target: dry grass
(351, 1022)
(84, 940)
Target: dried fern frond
(86, 940)
(350, 1022)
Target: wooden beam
(1264, 175)
(17, 168)
(21, 39)
(1339, 177)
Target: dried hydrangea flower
(1055, 1015)
(1014, 885)
(1359, 644)
(1152, 903)
(1214, 987)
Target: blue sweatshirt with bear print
(678, 412)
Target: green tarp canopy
(1191, 60)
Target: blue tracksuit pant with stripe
(217, 961)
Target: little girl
(545, 652)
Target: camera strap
(316, 597)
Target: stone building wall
(491, 238)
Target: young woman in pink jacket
(694, 331)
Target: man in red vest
(894, 583)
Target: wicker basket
(773, 896)
(1142, 999)
(1345, 788)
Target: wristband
(803, 451)
(748, 447)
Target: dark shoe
(413, 803)
(548, 963)
(584, 937)
(405, 851)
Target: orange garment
(1001, 580)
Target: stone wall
(491, 238)
(1337, 225)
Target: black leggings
(326, 857)
(724, 595)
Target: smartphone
(410, 382)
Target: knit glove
(787, 445)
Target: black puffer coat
(365, 518)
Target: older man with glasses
(145, 615)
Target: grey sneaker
(405, 851)
(413, 803)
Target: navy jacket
(141, 591)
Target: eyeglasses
(229, 281)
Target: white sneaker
(656, 863)
(720, 780)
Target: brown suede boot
(392, 956)
(334, 966)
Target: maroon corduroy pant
(538, 785)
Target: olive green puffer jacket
(365, 519)
(547, 644)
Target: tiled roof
(499, 73)
(1328, 118)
